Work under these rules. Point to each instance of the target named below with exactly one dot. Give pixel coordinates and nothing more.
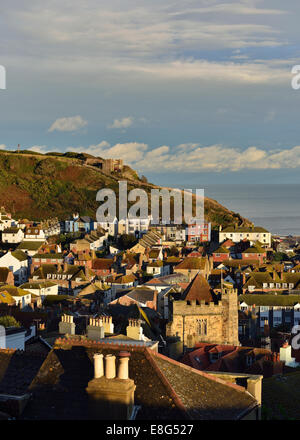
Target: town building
(12, 235)
(198, 233)
(201, 316)
(17, 263)
(250, 233)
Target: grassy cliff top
(38, 186)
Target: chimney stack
(110, 366)
(98, 365)
(107, 324)
(95, 329)
(134, 330)
(111, 397)
(66, 325)
(123, 365)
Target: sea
(273, 206)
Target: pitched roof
(102, 263)
(192, 263)
(6, 298)
(19, 255)
(37, 285)
(198, 290)
(269, 300)
(221, 250)
(165, 390)
(141, 294)
(30, 245)
(248, 229)
(17, 370)
(14, 291)
(12, 230)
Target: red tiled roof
(198, 290)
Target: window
(201, 326)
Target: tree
(173, 251)
(9, 321)
(280, 256)
(126, 241)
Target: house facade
(17, 263)
(252, 234)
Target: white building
(252, 234)
(111, 228)
(12, 235)
(34, 233)
(31, 248)
(16, 337)
(41, 289)
(134, 225)
(158, 269)
(5, 220)
(17, 262)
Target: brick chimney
(110, 396)
(66, 325)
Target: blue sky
(190, 92)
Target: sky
(186, 92)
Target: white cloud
(191, 157)
(43, 149)
(72, 123)
(194, 157)
(130, 151)
(122, 123)
(248, 73)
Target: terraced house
(70, 279)
(41, 289)
(271, 282)
(252, 234)
(275, 309)
(51, 258)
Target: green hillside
(37, 186)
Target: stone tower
(201, 316)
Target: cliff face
(37, 186)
